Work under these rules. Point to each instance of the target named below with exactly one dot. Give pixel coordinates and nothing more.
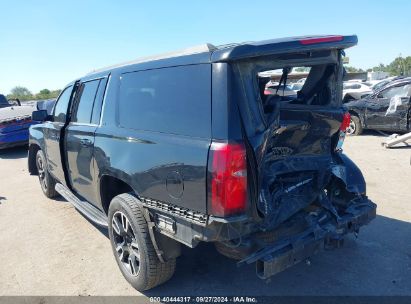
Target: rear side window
(60, 109)
(86, 94)
(170, 100)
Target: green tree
(21, 93)
(351, 69)
(400, 66)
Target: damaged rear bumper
(280, 255)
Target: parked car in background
(275, 89)
(14, 125)
(165, 164)
(355, 90)
(387, 109)
(4, 103)
(375, 85)
(15, 121)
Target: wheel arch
(111, 186)
(31, 158)
(357, 114)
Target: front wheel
(47, 182)
(355, 127)
(132, 246)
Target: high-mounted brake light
(227, 179)
(307, 41)
(346, 121)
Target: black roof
(208, 53)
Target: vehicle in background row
(387, 109)
(353, 90)
(186, 148)
(15, 121)
(283, 90)
(4, 103)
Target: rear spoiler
(282, 46)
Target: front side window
(86, 95)
(173, 100)
(60, 109)
(400, 91)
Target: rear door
(52, 133)
(79, 137)
(388, 110)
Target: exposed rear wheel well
(111, 187)
(353, 113)
(33, 149)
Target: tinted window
(401, 91)
(95, 118)
(60, 110)
(170, 100)
(351, 86)
(87, 94)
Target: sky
(46, 44)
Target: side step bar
(83, 207)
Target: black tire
(355, 127)
(47, 182)
(147, 271)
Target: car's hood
(354, 103)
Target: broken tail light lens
(343, 128)
(227, 179)
(345, 122)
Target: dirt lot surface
(48, 248)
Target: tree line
(400, 66)
(22, 93)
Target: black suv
(186, 148)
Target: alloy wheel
(351, 127)
(42, 172)
(125, 242)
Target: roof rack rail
(202, 48)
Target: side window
(95, 117)
(60, 109)
(174, 100)
(85, 99)
(400, 91)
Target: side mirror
(39, 115)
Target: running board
(83, 207)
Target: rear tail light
(346, 121)
(227, 179)
(267, 92)
(343, 128)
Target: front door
(388, 110)
(52, 133)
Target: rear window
(173, 100)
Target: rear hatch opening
(305, 193)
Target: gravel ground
(48, 248)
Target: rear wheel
(132, 245)
(355, 127)
(47, 182)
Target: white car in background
(353, 90)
